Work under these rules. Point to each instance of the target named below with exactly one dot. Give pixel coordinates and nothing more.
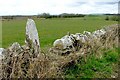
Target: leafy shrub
(107, 18)
(114, 18)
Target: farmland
(50, 29)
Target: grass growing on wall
(105, 67)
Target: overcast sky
(33, 7)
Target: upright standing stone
(32, 39)
(1, 50)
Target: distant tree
(38, 16)
(8, 17)
(44, 15)
(63, 15)
(114, 18)
(66, 15)
(107, 18)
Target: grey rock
(32, 33)
(1, 50)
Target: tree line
(63, 15)
(113, 17)
(44, 15)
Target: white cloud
(32, 7)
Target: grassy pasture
(50, 29)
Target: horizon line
(57, 14)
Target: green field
(50, 29)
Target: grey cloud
(106, 3)
(76, 4)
